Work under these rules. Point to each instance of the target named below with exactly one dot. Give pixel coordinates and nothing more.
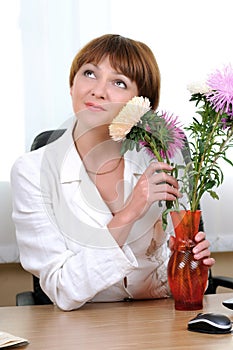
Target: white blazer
(61, 229)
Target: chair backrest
(46, 137)
(41, 140)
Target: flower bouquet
(159, 134)
(210, 137)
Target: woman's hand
(201, 250)
(155, 184)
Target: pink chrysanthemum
(221, 96)
(175, 136)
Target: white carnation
(198, 87)
(129, 116)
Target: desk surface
(113, 326)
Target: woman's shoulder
(29, 162)
(50, 156)
(46, 143)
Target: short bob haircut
(131, 58)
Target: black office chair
(218, 281)
(38, 297)
(35, 297)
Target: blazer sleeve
(69, 274)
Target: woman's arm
(154, 185)
(70, 273)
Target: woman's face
(99, 93)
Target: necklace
(106, 172)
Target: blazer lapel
(80, 192)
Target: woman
(88, 221)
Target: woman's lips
(94, 107)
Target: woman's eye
(89, 73)
(121, 84)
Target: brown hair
(133, 59)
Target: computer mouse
(210, 323)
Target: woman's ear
(71, 90)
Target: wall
(13, 279)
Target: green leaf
(228, 161)
(213, 194)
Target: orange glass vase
(187, 277)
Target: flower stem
(196, 195)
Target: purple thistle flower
(147, 128)
(224, 123)
(147, 148)
(221, 98)
(175, 134)
(227, 122)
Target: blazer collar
(72, 168)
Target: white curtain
(39, 39)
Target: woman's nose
(99, 90)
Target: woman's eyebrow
(113, 71)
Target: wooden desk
(113, 326)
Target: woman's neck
(96, 148)
(86, 140)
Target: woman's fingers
(155, 184)
(201, 250)
(209, 262)
(200, 236)
(172, 242)
(157, 167)
(171, 192)
(162, 183)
